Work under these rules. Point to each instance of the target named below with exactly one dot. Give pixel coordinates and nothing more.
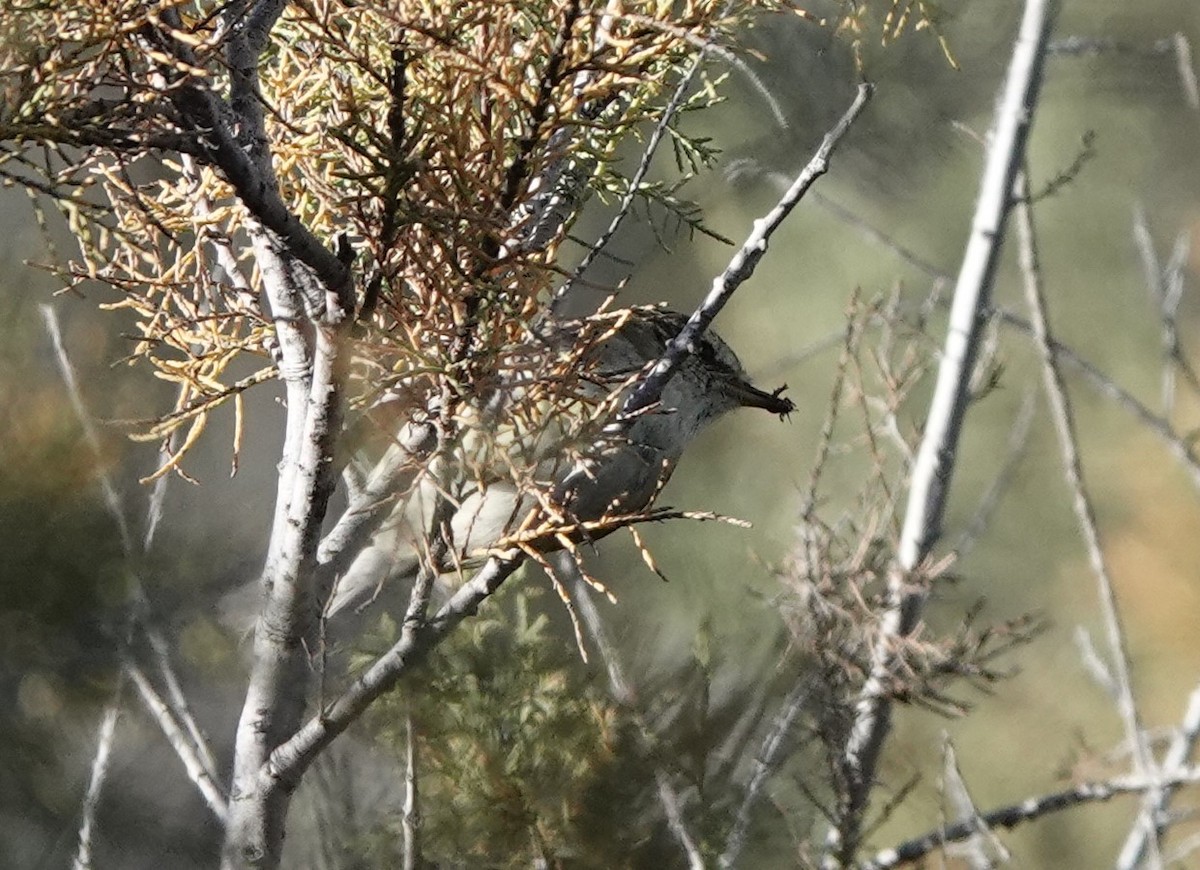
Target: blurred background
(909, 172)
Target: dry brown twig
(839, 579)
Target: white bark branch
(410, 820)
(935, 459)
(179, 740)
(100, 761)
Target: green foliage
(511, 732)
(523, 755)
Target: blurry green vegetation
(523, 755)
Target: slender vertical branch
(935, 460)
(1085, 514)
(410, 820)
(91, 798)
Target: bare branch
(179, 740)
(100, 761)
(1149, 822)
(111, 499)
(935, 460)
(1095, 666)
(741, 267)
(1064, 424)
(1027, 810)
(766, 762)
(409, 819)
(669, 798)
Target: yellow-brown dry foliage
(418, 135)
(414, 134)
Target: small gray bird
(512, 469)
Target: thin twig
(179, 703)
(1165, 286)
(1064, 425)
(1018, 441)
(214, 799)
(877, 235)
(1155, 802)
(673, 808)
(766, 762)
(111, 499)
(91, 797)
(1153, 274)
(408, 817)
(1094, 664)
(1179, 447)
(624, 695)
(1096, 45)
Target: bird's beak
(749, 396)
